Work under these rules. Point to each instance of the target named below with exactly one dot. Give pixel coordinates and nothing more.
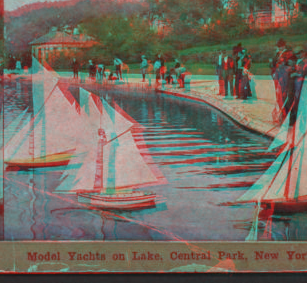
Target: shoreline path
(254, 114)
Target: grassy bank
(250, 43)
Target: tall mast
(291, 137)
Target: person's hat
(281, 42)
(298, 49)
(143, 56)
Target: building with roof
(52, 45)
(268, 14)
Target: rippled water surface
(205, 157)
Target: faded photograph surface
(154, 120)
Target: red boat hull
(26, 166)
(288, 207)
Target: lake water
(205, 157)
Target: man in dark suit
(228, 68)
(75, 67)
(298, 76)
(279, 76)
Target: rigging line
(278, 125)
(119, 136)
(286, 192)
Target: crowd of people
(288, 70)
(230, 66)
(121, 70)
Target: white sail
(297, 175)
(106, 117)
(56, 129)
(301, 124)
(123, 166)
(18, 147)
(290, 183)
(61, 124)
(262, 186)
(120, 123)
(286, 177)
(43, 82)
(281, 137)
(279, 182)
(11, 129)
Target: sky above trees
(10, 5)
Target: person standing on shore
(144, 66)
(236, 51)
(242, 75)
(75, 67)
(100, 71)
(118, 67)
(91, 69)
(290, 91)
(280, 77)
(18, 67)
(163, 67)
(157, 69)
(228, 72)
(219, 72)
(150, 72)
(299, 77)
(125, 72)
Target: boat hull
(128, 201)
(12, 166)
(288, 207)
(54, 160)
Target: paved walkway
(254, 114)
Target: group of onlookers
(175, 74)
(288, 69)
(234, 66)
(158, 69)
(98, 71)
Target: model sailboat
(49, 139)
(112, 166)
(284, 184)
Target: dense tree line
(126, 29)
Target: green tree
(125, 37)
